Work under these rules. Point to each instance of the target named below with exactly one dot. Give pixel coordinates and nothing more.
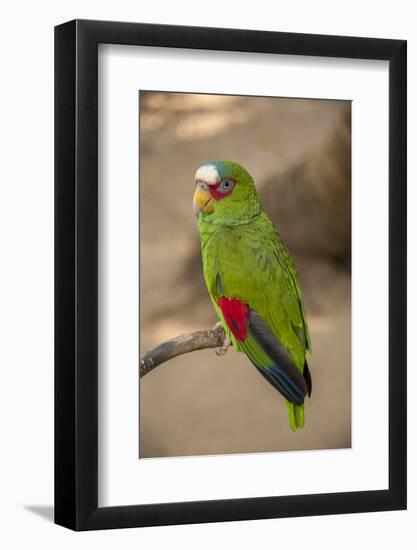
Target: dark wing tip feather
(279, 384)
(284, 375)
(307, 378)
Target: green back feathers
(255, 268)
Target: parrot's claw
(224, 347)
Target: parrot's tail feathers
(299, 416)
(307, 378)
(295, 416)
(274, 361)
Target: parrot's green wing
(249, 264)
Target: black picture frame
(76, 272)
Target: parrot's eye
(225, 186)
(202, 185)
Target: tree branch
(186, 343)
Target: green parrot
(252, 281)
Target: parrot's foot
(224, 347)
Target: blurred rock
(310, 201)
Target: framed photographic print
(230, 244)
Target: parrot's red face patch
(220, 190)
(223, 189)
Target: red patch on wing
(235, 314)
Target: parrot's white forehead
(208, 173)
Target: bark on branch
(186, 343)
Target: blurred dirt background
(298, 152)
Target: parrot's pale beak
(202, 201)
